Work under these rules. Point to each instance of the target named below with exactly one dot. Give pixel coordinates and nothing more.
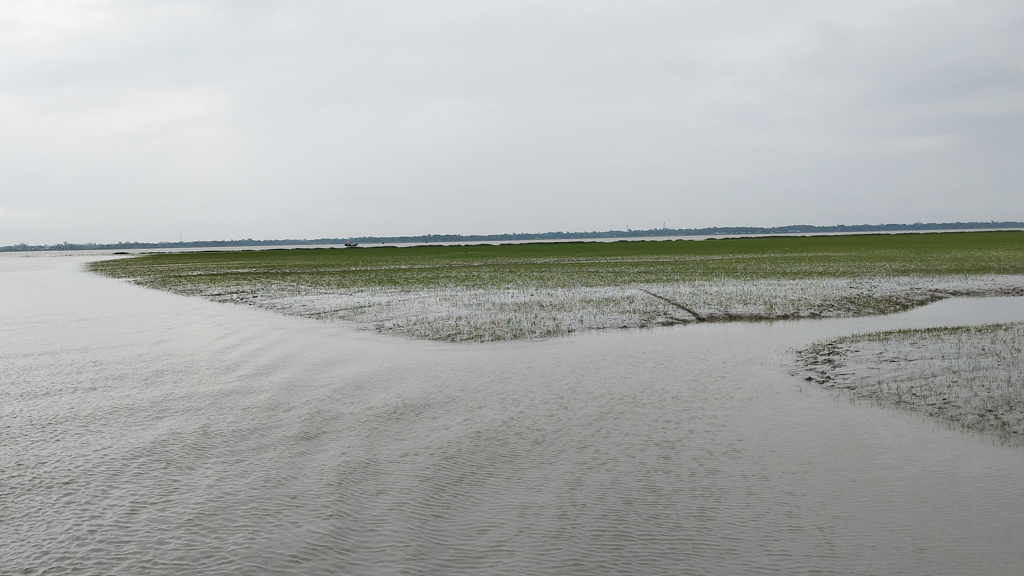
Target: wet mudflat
(149, 432)
(970, 376)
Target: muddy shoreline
(970, 377)
(462, 314)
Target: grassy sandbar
(488, 292)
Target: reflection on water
(146, 432)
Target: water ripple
(146, 433)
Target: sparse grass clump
(488, 292)
(972, 376)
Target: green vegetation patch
(495, 292)
(561, 265)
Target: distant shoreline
(543, 236)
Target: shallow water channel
(143, 432)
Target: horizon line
(554, 235)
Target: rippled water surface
(146, 432)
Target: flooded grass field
(971, 376)
(508, 292)
(149, 433)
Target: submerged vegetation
(972, 376)
(496, 292)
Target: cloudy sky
(254, 118)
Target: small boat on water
(350, 244)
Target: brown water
(142, 432)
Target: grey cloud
(277, 119)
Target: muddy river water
(143, 432)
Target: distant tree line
(650, 233)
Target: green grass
(488, 292)
(564, 265)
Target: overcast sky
(215, 120)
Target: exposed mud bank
(465, 314)
(969, 376)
